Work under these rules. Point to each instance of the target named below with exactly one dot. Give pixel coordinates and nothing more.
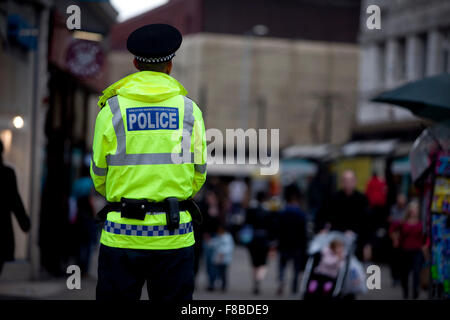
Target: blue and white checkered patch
(146, 231)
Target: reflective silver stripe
(188, 125)
(143, 159)
(188, 119)
(200, 168)
(154, 213)
(121, 158)
(119, 128)
(150, 213)
(98, 171)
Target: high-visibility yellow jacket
(149, 143)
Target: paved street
(13, 285)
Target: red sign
(84, 59)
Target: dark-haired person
(261, 221)
(11, 202)
(291, 236)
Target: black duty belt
(138, 209)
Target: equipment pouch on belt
(133, 208)
(137, 209)
(172, 213)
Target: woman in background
(411, 243)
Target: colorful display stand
(439, 226)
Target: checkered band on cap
(155, 60)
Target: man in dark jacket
(261, 221)
(291, 235)
(10, 202)
(348, 211)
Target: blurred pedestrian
(10, 202)
(237, 190)
(260, 220)
(291, 236)
(237, 193)
(376, 193)
(210, 225)
(397, 214)
(347, 210)
(411, 243)
(222, 247)
(319, 189)
(84, 225)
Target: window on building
(188, 24)
(401, 60)
(446, 50)
(423, 43)
(381, 48)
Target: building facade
(77, 73)
(413, 43)
(50, 77)
(23, 76)
(254, 64)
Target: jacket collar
(148, 86)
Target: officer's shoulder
(105, 110)
(196, 108)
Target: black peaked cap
(154, 43)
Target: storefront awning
(369, 148)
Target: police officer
(149, 160)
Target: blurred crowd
(270, 222)
(282, 222)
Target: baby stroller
(318, 282)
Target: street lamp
(260, 30)
(18, 122)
